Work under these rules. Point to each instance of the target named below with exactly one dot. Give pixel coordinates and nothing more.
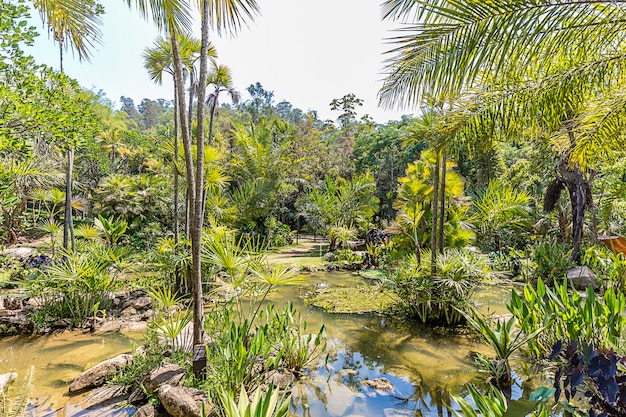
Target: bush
(439, 299)
(552, 259)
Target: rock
(128, 312)
(166, 374)
(97, 375)
(379, 384)
(582, 277)
(6, 379)
(331, 267)
(100, 397)
(138, 396)
(281, 379)
(184, 401)
(330, 257)
(321, 286)
(19, 252)
(62, 324)
(137, 303)
(147, 410)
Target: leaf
(519, 408)
(556, 349)
(542, 394)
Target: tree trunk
(177, 278)
(442, 202)
(580, 198)
(68, 224)
(198, 208)
(434, 212)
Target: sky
(308, 52)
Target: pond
(424, 365)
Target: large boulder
(97, 375)
(184, 401)
(170, 374)
(582, 277)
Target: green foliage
(262, 405)
(494, 404)
(443, 298)
(297, 347)
(552, 259)
(113, 230)
(504, 338)
(74, 286)
(568, 316)
(497, 210)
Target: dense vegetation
(468, 192)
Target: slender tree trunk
(442, 207)
(185, 132)
(213, 108)
(61, 56)
(177, 278)
(198, 209)
(434, 212)
(192, 93)
(68, 224)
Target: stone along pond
(423, 365)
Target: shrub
(552, 259)
(442, 298)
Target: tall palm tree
(223, 16)
(72, 24)
(222, 81)
(555, 66)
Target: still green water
(424, 365)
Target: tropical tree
(222, 16)
(542, 67)
(75, 25)
(499, 209)
(222, 81)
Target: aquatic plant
(504, 338)
(494, 404)
(270, 404)
(442, 298)
(568, 316)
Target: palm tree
(554, 67)
(75, 25)
(222, 16)
(222, 81)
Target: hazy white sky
(307, 51)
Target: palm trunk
(434, 212)
(68, 224)
(198, 209)
(177, 278)
(184, 126)
(442, 208)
